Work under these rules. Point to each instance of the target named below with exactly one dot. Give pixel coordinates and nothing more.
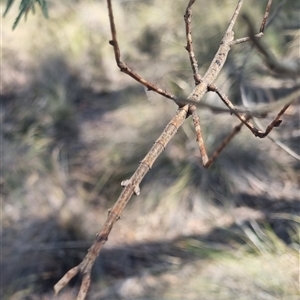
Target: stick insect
(185, 109)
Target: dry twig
(203, 85)
(291, 69)
(288, 99)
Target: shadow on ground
(36, 254)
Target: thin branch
(124, 68)
(244, 119)
(258, 111)
(189, 46)
(131, 186)
(197, 79)
(234, 17)
(281, 145)
(289, 70)
(262, 26)
(199, 136)
(208, 161)
(224, 143)
(285, 148)
(264, 21)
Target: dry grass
(74, 127)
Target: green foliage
(25, 7)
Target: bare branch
(257, 132)
(131, 186)
(291, 70)
(224, 143)
(294, 96)
(189, 46)
(124, 68)
(262, 26)
(264, 21)
(186, 107)
(234, 17)
(66, 279)
(199, 137)
(258, 111)
(207, 162)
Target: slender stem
(189, 47)
(124, 68)
(203, 85)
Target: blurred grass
(245, 277)
(74, 127)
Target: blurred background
(74, 126)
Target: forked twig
(258, 111)
(290, 70)
(197, 78)
(203, 85)
(228, 41)
(262, 26)
(290, 98)
(257, 132)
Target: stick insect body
(202, 86)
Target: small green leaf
(44, 7)
(8, 6)
(24, 7)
